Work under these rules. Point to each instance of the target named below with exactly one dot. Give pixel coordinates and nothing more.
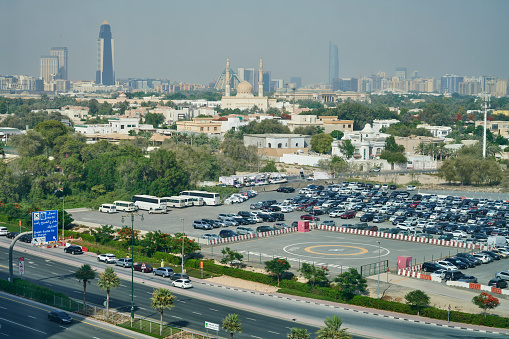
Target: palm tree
(231, 324)
(298, 333)
(161, 300)
(108, 280)
(420, 149)
(332, 329)
(85, 274)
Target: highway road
(23, 318)
(262, 316)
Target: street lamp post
(132, 214)
(378, 295)
(182, 219)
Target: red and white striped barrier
(251, 236)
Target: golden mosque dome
(244, 88)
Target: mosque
(245, 97)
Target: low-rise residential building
(412, 142)
(496, 127)
(332, 123)
(299, 120)
(75, 113)
(437, 131)
(378, 124)
(114, 126)
(200, 125)
(368, 143)
(277, 140)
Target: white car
(108, 258)
(286, 209)
(483, 257)
(502, 275)
(438, 273)
(405, 227)
(210, 236)
(182, 283)
(447, 265)
(385, 187)
(158, 210)
(460, 234)
(410, 188)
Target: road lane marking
(3, 307)
(32, 317)
(196, 313)
(30, 328)
(274, 332)
(213, 310)
(251, 319)
(174, 316)
(253, 336)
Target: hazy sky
(190, 40)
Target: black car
(12, 235)
(59, 317)
(179, 276)
(266, 217)
(466, 261)
(430, 230)
(262, 229)
(286, 189)
(470, 257)
(430, 267)
(278, 216)
(26, 238)
(212, 223)
(227, 234)
(244, 214)
(73, 249)
(367, 217)
(392, 187)
(498, 283)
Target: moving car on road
(182, 283)
(142, 267)
(124, 262)
(73, 249)
(59, 317)
(164, 272)
(108, 258)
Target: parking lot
(336, 251)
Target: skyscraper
(333, 62)
(61, 53)
(297, 81)
(105, 74)
(401, 73)
(49, 67)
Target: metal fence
(372, 269)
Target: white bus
(149, 202)
(209, 198)
(177, 202)
(192, 201)
(126, 206)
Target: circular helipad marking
(362, 250)
(298, 250)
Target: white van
(108, 208)
(126, 206)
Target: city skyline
(448, 38)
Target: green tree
(314, 275)
(351, 282)
(51, 130)
(265, 126)
(85, 274)
(229, 256)
(30, 144)
(269, 167)
(154, 119)
(308, 130)
(332, 329)
(93, 107)
(337, 134)
(231, 324)
(485, 302)
(277, 267)
(418, 299)
(161, 300)
(108, 280)
(103, 234)
(347, 149)
(321, 143)
(393, 152)
(298, 333)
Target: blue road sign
(45, 225)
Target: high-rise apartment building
(105, 74)
(297, 81)
(246, 74)
(401, 73)
(49, 67)
(61, 53)
(333, 63)
(450, 83)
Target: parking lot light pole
(132, 214)
(182, 219)
(378, 295)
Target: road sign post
(45, 225)
(213, 327)
(21, 265)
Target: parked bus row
(152, 203)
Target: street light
(182, 219)
(378, 295)
(132, 214)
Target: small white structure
(378, 124)
(368, 143)
(437, 131)
(114, 125)
(277, 140)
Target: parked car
(182, 283)
(177, 276)
(458, 263)
(468, 279)
(430, 266)
(280, 226)
(60, 317)
(348, 214)
(451, 275)
(498, 283)
(107, 258)
(309, 217)
(124, 262)
(227, 234)
(447, 265)
(392, 187)
(286, 189)
(158, 210)
(142, 267)
(164, 272)
(504, 275)
(469, 263)
(492, 254)
(263, 229)
(243, 230)
(485, 259)
(201, 224)
(73, 249)
(210, 236)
